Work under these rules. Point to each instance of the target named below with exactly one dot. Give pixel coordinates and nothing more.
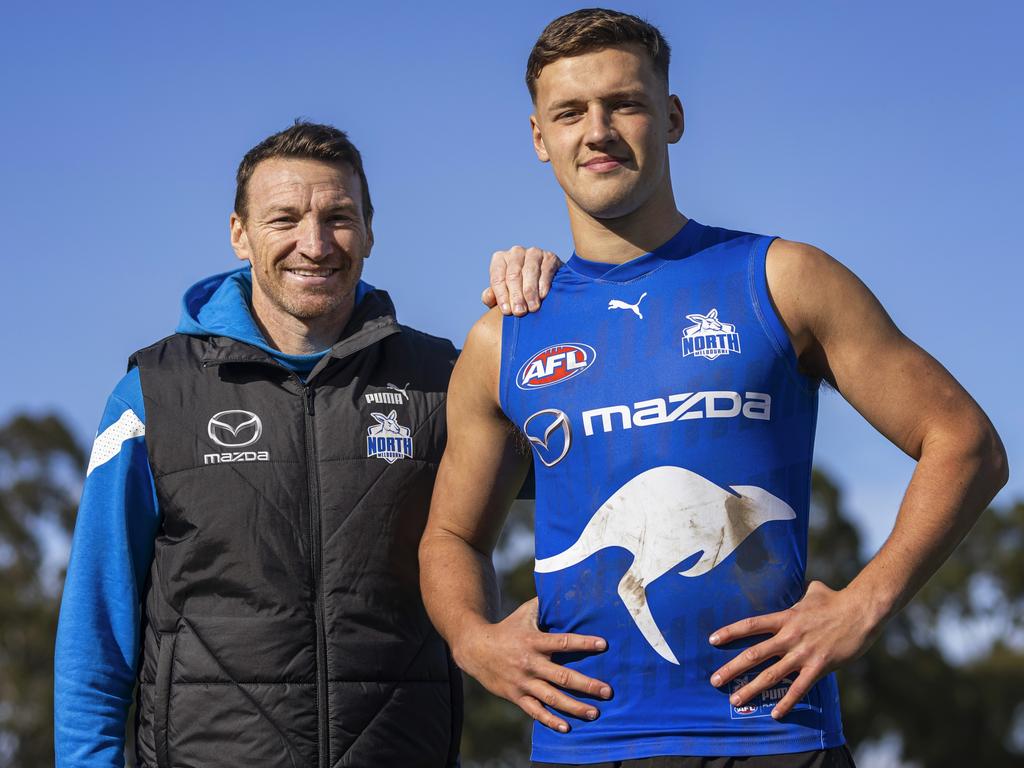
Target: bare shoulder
(820, 302)
(478, 370)
(486, 332)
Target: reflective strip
(108, 442)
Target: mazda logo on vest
(235, 429)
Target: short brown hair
(307, 141)
(591, 29)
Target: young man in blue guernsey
(668, 388)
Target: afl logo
(555, 365)
(235, 429)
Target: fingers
(768, 678)
(768, 624)
(534, 709)
(569, 643)
(531, 278)
(799, 688)
(556, 699)
(572, 680)
(506, 280)
(750, 658)
(519, 279)
(549, 266)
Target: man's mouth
(604, 163)
(326, 272)
(311, 277)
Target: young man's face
(304, 235)
(604, 121)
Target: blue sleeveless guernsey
(673, 437)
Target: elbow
(989, 454)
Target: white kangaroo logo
(389, 422)
(619, 304)
(708, 322)
(662, 517)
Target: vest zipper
(313, 479)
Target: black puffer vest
(283, 624)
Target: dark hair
(591, 29)
(304, 140)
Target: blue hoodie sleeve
(111, 552)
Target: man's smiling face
(604, 120)
(305, 236)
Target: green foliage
(948, 712)
(40, 468)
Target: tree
(41, 466)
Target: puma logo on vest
(662, 517)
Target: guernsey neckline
(677, 247)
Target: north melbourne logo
(710, 337)
(388, 439)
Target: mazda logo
(235, 429)
(548, 445)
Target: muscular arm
(842, 334)
(478, 478)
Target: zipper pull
(309, 393)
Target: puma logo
(618, 304)
(662, 517)
(401, 390)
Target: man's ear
(239, 238)
(369, 240)
(538, 140)
(676, 121)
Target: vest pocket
(162, 697)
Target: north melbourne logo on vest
(235, 429)
(710, 337)
(388, 439)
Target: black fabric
(283, 624)
(837, 757)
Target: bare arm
(479, 476)
(842, 334)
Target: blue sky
(888, 134)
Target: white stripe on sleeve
(108, 442)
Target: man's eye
(569, 114)
(627, 106)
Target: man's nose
(599, 126)
(315, 241)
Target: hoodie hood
(220, 305)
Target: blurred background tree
(943, 687)
(41, 469)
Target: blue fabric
(98, 633)
(220, 306)
(673, 437)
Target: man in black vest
(246, 543)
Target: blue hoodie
(98, 633)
